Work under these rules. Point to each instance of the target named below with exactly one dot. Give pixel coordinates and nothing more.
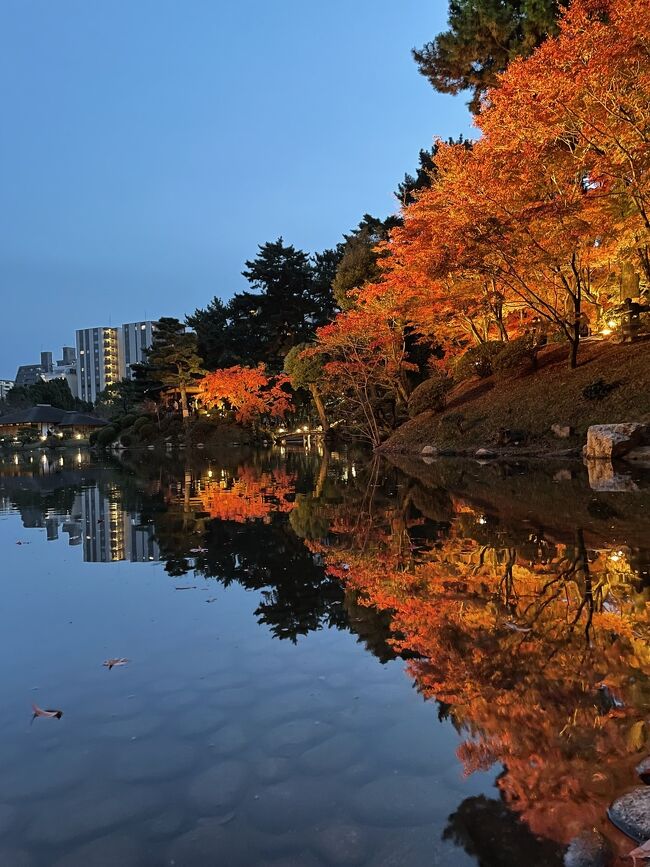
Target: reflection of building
(108, 532)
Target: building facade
(5, 387)
(105, 355)
(135, 339)
(98, 361)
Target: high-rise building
(46, 362)
(105, 355)
(69, 356)
(98, 361)
(135, 339)
(5, 387)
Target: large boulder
(590, 849)
(603, 477)
(631, 813)
(608, 441)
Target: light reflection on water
(273, 712)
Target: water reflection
(518, 600)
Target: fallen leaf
(111, 663)
(49, 713)
(642, 852)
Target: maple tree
(247, 391)
(366, 367)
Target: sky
(149, 146)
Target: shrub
(518, 356)
(478, 360)
(106, 436)
(126, 439)
(429, 395)
(147, 431)
(128, 420)
(140, 422)
(598, 390)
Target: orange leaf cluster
(249, 392)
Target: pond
(323, 659)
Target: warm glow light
(611, 323)
(606, 331)
(77, 436)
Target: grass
(477, 410)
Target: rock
(631, 814)
(343, 844)
(295, 736)
(334, 754)
(53, 772)
(485, 453)
(293, 805)
(15, 858)
(220, 788)
(401, 800)
(92, 813)
(7, 818)
(229, 740)
(608, 441)
(511, 437)
(429, 450)
(150, 761)
(105, 852)
(643, 770)
(603, 477)
(212, 843)
(562, 431)
(590, 849)
(639, 456)
(166, 824)
(274, 769)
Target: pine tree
(483, 37)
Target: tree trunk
(320, 408)
(184, 407)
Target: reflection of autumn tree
(248, 495)
(540, 650)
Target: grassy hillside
(478, 409)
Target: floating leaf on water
(111, 663)
(48, 713)
(641, 853)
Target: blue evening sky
(149, 146)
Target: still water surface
(332, 661)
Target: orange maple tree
(250, 392)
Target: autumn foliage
(249, 392)
(249, 495)
(547, 215)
